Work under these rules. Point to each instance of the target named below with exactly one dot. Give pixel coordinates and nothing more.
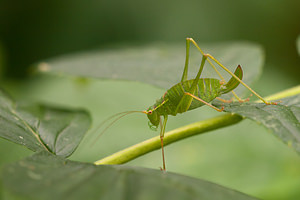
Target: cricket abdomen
(207, 89)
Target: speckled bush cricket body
(190, 94)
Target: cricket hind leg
(186, 101)
(213, 66)
(242, 82)
(228, 71)
(186, 65)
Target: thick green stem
(284, 94)
(152, 144)
(170, 137)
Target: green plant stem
(170, 137)
(152, 144)
(284, 94)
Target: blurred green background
(244, 157)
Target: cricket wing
(233, 82)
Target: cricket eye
(150, 112)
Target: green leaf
(298, 44)
(283, 120)
(40, 127)
(158, 64)
(45, 176)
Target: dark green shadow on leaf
(44, 176)
(40, 127)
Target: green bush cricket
(190, 94)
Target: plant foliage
(40, 127)
(44, 176)
(55, 132)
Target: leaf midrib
(36, 135)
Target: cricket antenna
(117, 116)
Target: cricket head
(153, 117)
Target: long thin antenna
(123, 114)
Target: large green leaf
(158, 64)
(40, 127)
(45, 176)
(283, 120)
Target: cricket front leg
(162, 133)
(206, 103)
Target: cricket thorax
(155, 111)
